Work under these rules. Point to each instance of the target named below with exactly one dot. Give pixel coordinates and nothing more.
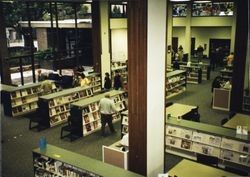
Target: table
(188, 168)
(238, 119)
(177, 109)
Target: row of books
(25, 92)
(208, 139)
(24, 108)
(224, 154)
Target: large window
(118, 10)
(180, 10)
(204, 9)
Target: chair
(70, 128)
(37, 120)
(195, 114)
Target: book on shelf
(93, 107)
(125, 120)
(86, 119)
(88, 127)
(96, 115)
(125, 129)
(185, 144)
(83, 93)
(29, 91)
(51, 103)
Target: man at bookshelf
(107, 109)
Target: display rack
(54, 108)
(121, 67)
(54, 161)
(96, 84)
(124, 123)
(176, 82)
(194, 74)
(23, 99)
(186, 138)
(86, 112)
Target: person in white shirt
(107, 109)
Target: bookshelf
(246, 103)
(55, 108)
(206, 69)
(55, 161)
(22, 100)
(124, 123)
(87, 112)
(226, 74)
(186, 138)
(121, 67)
(95, 79)
(194, 73)
(176, 82)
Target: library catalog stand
(21, 100)
(176, 82)
(187, 139)
(116, 155)
(55, 161)
(87, 115)
(54, 108)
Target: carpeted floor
(18, 141)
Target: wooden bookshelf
(23, 99)
(87, 111)
(55, 108)
(206, 69)
(55, 161)
(186, 138)
(176, 82)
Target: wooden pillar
(96, 36)
(240, 50)
(146, 88)
(137, 87)
(4, 67)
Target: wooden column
(240, 50)
(137, 87)
(96, 36)
(4, 67)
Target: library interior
(124, 88)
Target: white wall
(156, 47)
(119, 44)
(202, 35)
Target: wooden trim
(137, 87)
(239, 56)
(96, 36)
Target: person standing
(107, 109)
(84, 80)
(46, 86)
(230, 59)
(200, 51)
(117, 81)
(107, 82)
(40, 75)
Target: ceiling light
(201, 1)
(179, 0)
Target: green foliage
(44, 54)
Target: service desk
(189, 168)
(177, 109)
(116, 155)
(238, 119)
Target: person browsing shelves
(84, 81)
(107, 109)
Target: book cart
(22, 100)
(86, 112)
(55, 161)
(55, 108)
(187, 139)
(176, 83)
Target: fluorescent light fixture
(201, 1)
(179, 0)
